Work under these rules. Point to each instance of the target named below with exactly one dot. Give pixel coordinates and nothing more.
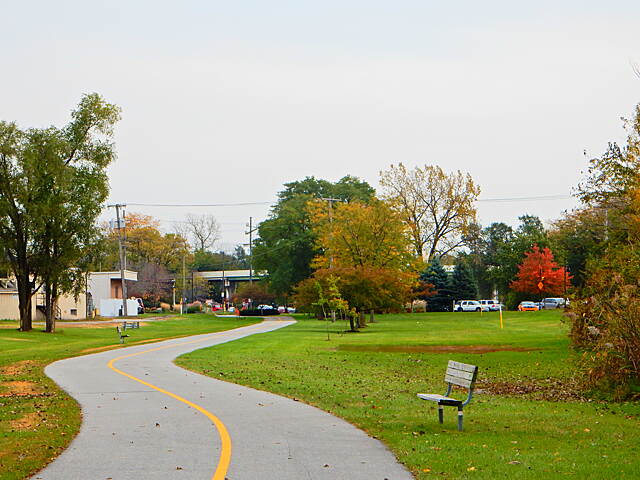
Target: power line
(525, 199)
(244, 204)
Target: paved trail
(146, 418)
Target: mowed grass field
(37, 419)
(526, 421)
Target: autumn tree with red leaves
(539, 274)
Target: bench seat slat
(465, 367)
(440, 399)
(460, 374)
(461, 382)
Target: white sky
(223, 102)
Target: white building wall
(99, 286)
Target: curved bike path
(146, 418)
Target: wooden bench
(121, 333)
(462, 375)
(130, 325)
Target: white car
(491, 305)
(469, 306)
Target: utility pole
(250, 233)
(224, 290)
(123, 260)
(183, 284)
(330, 201)
(173, 290)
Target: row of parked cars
(477, 306)
(495, 305)
(544, 304)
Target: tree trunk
(361, 320)
(372, 318)
(352, 324)
(51, 295)
(24, 301)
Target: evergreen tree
(436, 275)
(463, 285)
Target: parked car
(491, 305)
(549, 303)
(469, 306)
(528, 307)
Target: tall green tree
(505, 248)
(436, 275)
(463, 285)
(52, 185)
(287, 244)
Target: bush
(605, 324)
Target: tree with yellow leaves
(436, 207)
(360, 235)
(366, 252)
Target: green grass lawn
(37, 419)
(528, 423)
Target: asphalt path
(146, 418)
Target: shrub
(195, 307)
(605, 323)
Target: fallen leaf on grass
(514, 462)
(471, 469)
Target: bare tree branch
(202, 230)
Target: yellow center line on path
(225, 439)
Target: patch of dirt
(548, 389)
(18, 368)
(435, 348)
(27, 422)
(20, 389)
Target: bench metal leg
(441, 413)
(460, 417)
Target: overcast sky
(223, 102)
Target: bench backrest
(461, 374)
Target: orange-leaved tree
(539, 274)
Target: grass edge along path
(38, 420)
(515, 433)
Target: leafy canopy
(287, 245)
(437, 207)
(539, 274)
